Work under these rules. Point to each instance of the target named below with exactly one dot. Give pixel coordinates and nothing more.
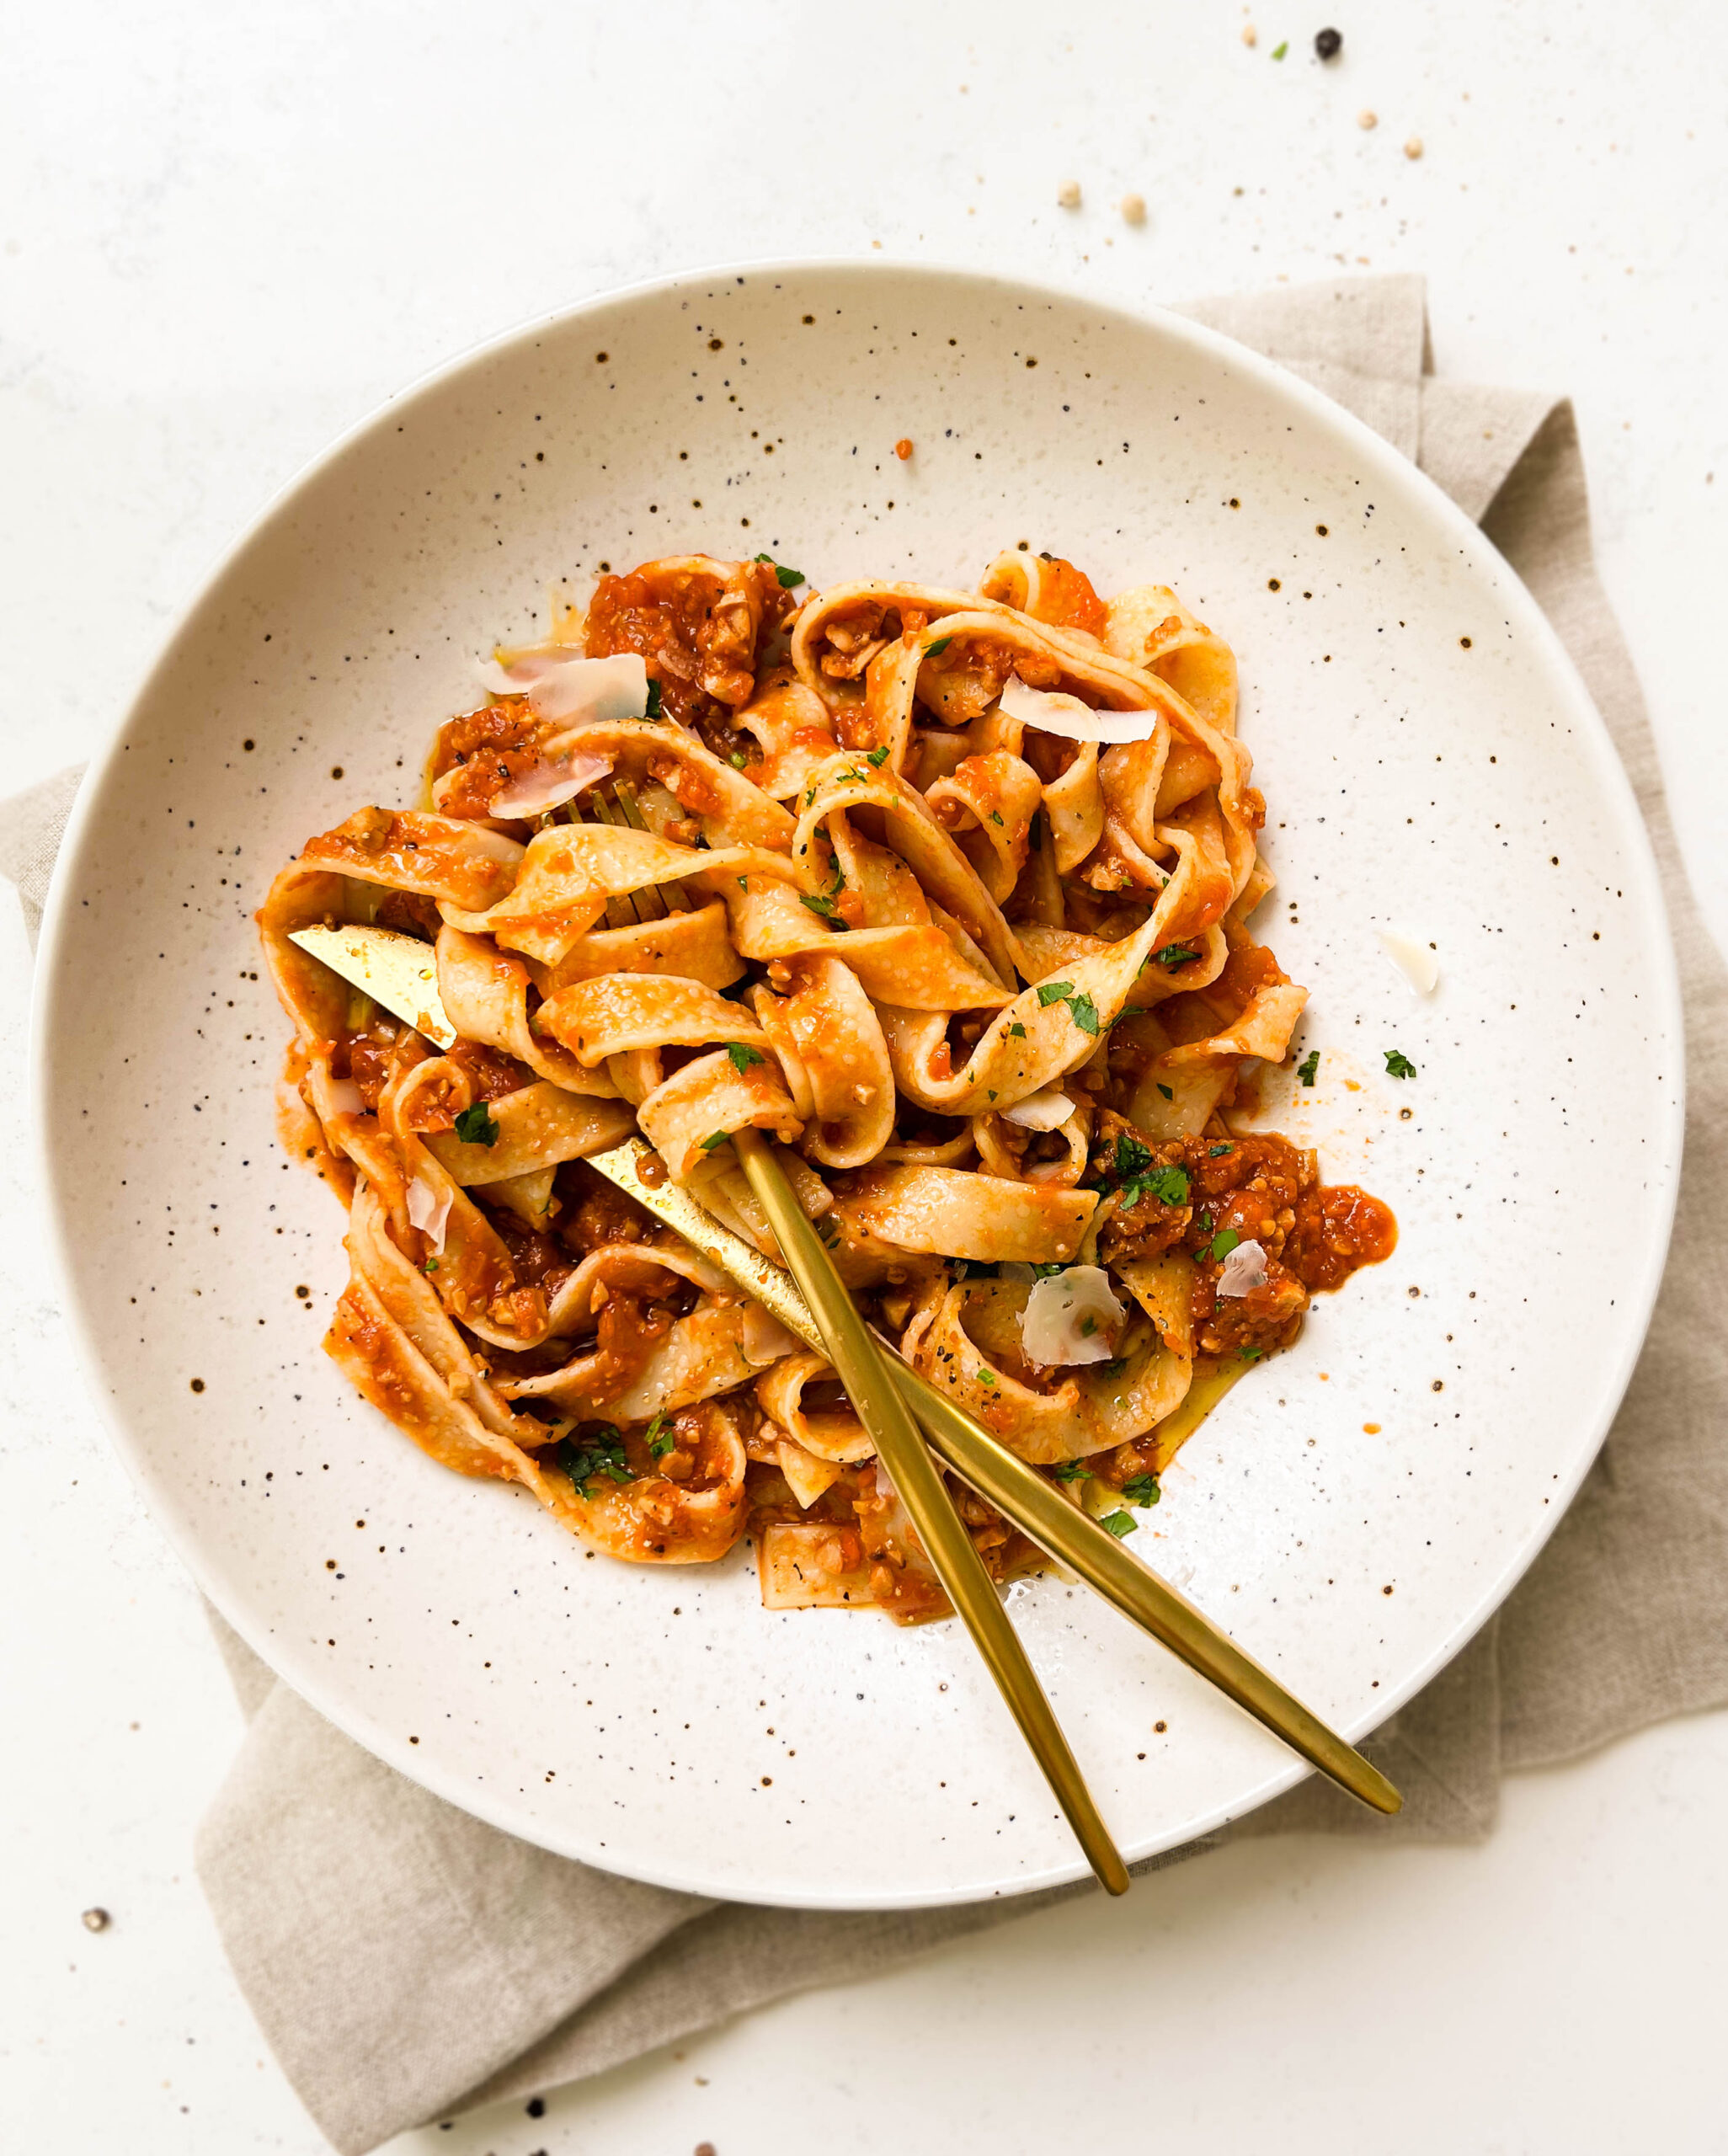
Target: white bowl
(1431, 761)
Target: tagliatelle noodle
(970, 1342)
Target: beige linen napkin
(406, 1962)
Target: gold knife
(393, 969)
(398, 971)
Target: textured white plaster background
(225, 233)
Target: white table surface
(225, 233)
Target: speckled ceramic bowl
(1431, 762)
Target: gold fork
(879, 1403)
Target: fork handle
(1077, 1541)
(872, 1386)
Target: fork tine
(672, 894)
(647, 899)
(619, 912)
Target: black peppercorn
(1328, 44)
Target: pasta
(966, 883)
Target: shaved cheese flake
(765, 1339)
(559, 683)
(429, 1209)
(1070, 1317)
(1046, 1111)
(345, 1097)
(1414, 960)
(514, 673)
(1244, 1270)
(1052, 712)
(545, 784)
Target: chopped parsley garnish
(738, 759)
(474, 1126)
(1216, 1152)
(878, 756)
(1398, 1066)
(1175, 954)
(1080, 1007)
(818, 903)
(1310, 1064)
(985, 1377)
(1250, 1354)
(1131, 1157)
(1119, 1524)
(1089, 1326)
(659, 1439)
(601, 1453)
(713, 1138)
(1225, 1241)
(431, 1264)
(1071, 1470)
(1049, 1271)
(1280, 49)
(787, 578)
(1130, 1165)
(741, 1057)
(654, 709)
(1168, 1094)
(1016, 1032)
(1142, 1490)
(997, 817)
(940, 644)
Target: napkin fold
(405, 1960)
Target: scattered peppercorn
(1328, 44)
(96, 1919)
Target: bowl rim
(49, 1015)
